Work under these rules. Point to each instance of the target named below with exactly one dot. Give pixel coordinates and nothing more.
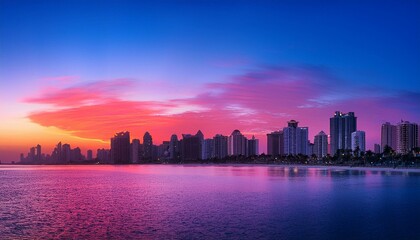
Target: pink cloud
(256, 103)
(100, 91)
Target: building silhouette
(341, 127)
(220, 146)
(147, 147)
(120, 148)
(237, 144)
(275, 143)
(174, 149)
(321, 144)
(358, 141)
(135, 151)
(295, 139)
(192, 146)
(89, 155)
(407, 136)
(253, 145)
(208, 148)
(389, 136)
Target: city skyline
(291, 141)
(178, 67)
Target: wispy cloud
(255, 102)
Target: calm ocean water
(207, 202)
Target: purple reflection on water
(195, 201)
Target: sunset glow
(167, 69)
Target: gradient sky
(79, 71)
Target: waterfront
(216, 201)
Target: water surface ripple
(207, 202)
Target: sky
(80, 71)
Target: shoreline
(326, 167)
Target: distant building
(174, 149)
(275, 143)
(120, 148)
(66, 153)
(358, 141)
(377, 148)
(76, 155)
(220, 146)
(310, 149)
(103, 155)
(89, 155)
(389, 136)
(321, 144)
(237, 144)
(407, 136)
(147, 147)
(38, 153)
(295, 139)
(163, 151)
(341, 127)
(192, 147)
(135, 151)
(208, 149)
(253, 145)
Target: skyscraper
(120, 148)
(38, 153)
(135, 151)
(321, 144)
(174, 147)
(237, 144)
(147, 146)
(220, 146)
(253, 145)
(275, 143)
(358, 141)
(192, 146)
(66, 153)
(389, 136)
(295, 139)
(377, 148)
(341, 127)
(89, 154)
(407, 136)
(208, 148)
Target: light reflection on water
(196, 202)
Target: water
(202, 202)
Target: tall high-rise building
(103, 155)
(147, 146)
(342, 125)
(237, 144)
(295, 139)
(135, 151)
(120, 148)
(208, 148)
(407, 136)
(389, 136)
(163, 151)
(38, 153)
(220, 146)
(358, 140)
(253, 145)
(89, 155)
(174, 151)
(321, 144)
(377, 148)
(192, 146)
(66, 153)
(275, 143)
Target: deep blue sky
(251, 65)
(372, 43)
